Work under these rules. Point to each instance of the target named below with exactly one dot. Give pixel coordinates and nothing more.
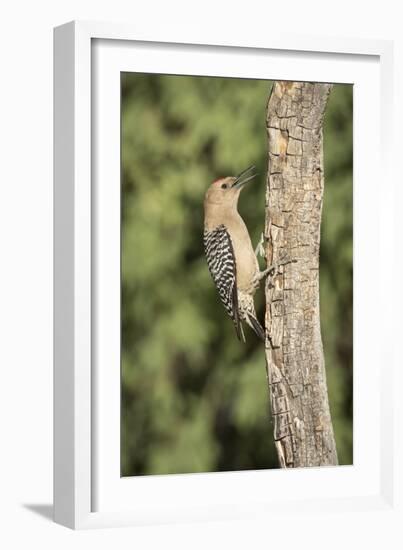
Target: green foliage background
(195, 399)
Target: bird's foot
(271, 270)
(260, 250)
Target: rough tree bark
(295, 364)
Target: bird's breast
(247, 267)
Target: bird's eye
(224, 186)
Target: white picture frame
(88, 490)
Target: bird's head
(224, 192)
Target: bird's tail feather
(256, 326)
(242, 333)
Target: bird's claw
(274, 267)
(260, 249)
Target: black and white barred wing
(222, 266)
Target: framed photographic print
(217, 216)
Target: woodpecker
(231, 259)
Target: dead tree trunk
(295, 364)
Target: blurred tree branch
(303, 430)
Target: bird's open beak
(244, 177)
